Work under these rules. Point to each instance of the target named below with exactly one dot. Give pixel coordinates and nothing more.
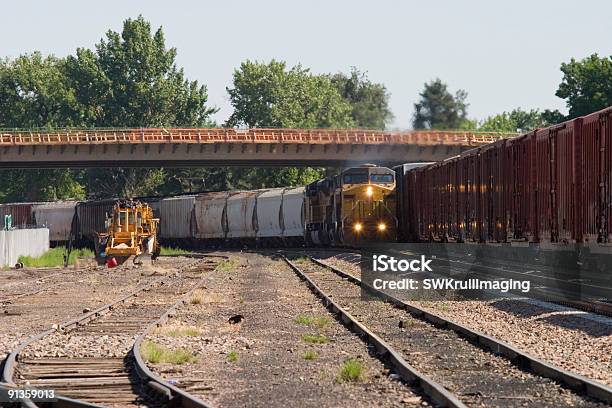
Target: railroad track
(40, 283)
(88, 379)
(454, 365)
(591, 305)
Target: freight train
(356, 206)
(549, 187)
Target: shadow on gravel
(589, 327)
(526, 310)
(518, 308)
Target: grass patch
(310, 355)
(300, 259)
(154, 353)
(173, 251)
(151, 352)
(315, 339)
(351, 371)
(200, 296)
(232, 356)
(55, 257)
(303, 319)
(227, 265)
(197, 297)
(441, 306)
(318, 321)
(178, 331)
(404, 324)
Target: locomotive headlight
(382, 226)
(369, 191)
(357, 226)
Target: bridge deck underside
(219, 154)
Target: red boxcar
(595, 177)
(551, 186)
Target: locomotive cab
(367, 204)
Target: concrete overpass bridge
(171, 147)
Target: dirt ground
(254, 326)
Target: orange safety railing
(207, 135)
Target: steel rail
(409, 374)
(518, 357)
(174, 395)
(62, 401)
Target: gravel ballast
(575, 340)
(256, 334)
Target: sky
(505, 54)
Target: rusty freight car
(551, 186)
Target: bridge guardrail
(208, 135)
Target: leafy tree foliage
(129, 80)
(517, 120)
(35, 93)
(270, 95)
(586, 85)
(370, 101)
(439, 109)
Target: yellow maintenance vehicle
(131, 232)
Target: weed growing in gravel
(303, 319)
(232, 356)
(440, 306)
(352, 370)
(310, 355)
(321, 321)
(227, 265)
(315, 339)
(178, 356)
(197, 297)
(306, 320)
(406, 323)
(154, 353)
(151, 352)
(178, 331)
(300, 259)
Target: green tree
(369, 101)
(439, 109)
(517, 120)
(270, 95)
(35, 93)
(40, 185)
(586, 85)
(131, 80)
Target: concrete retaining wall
(28, 242)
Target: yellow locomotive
(354, 207)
